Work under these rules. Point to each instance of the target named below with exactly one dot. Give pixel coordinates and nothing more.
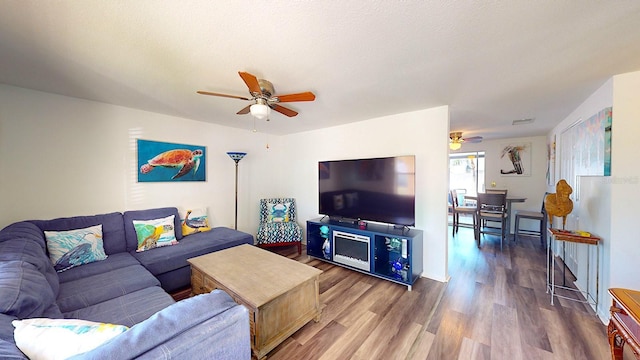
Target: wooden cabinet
(390, 253)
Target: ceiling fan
(456, 140)
(264, 98)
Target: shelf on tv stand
(382, 254)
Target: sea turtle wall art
(162, 161)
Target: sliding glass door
(466, 171)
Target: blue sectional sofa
(127, 288)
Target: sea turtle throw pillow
(155, 233)
(72, 248)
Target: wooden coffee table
(281, 294)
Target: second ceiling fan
(456, 140)
(264, 98)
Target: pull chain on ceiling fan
(264, 98)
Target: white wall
(625, 182)
(619, 192)
(599, 225)
(420, 133)
(532, 187)
(64, 156)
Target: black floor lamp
(236, 156)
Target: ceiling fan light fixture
(455, 138)
(260, 110)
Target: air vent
(522, 121)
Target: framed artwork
(606, 117)
(551, 162)
(515, 159)
(589, 146)
(169, 162)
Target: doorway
(466, 176)
(466, 172)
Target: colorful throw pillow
(41, 338)
(195, 221)
(278, 212)
(75, 247)
(155, 233)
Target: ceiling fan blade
(284, 110)
(473, 139)
(223, 95)
(245, 110)
(303, 96)
(251, 81)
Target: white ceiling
(491, 61)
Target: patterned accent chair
(278, 226)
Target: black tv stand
(395, 253)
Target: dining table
(510, 200)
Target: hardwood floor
(494, 307)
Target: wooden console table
(570, 236)
(624, 325)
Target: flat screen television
(377, 189)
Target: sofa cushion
(6, 329)
(25, 291)
(162, 260)
(112, 228)
(23, 229)
(9, 351)
(71, 248)
(42, 338)
(155, 233)
(128, 309)
(113, 262)
(98, 288)
(150, 214)
(207, 326)
(29, 251)
(175, 280)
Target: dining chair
(450, 202)
(494, 191)
(540, 216)
(458, 209)
(491, 207)
(460, 193)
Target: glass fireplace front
(352, 250)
